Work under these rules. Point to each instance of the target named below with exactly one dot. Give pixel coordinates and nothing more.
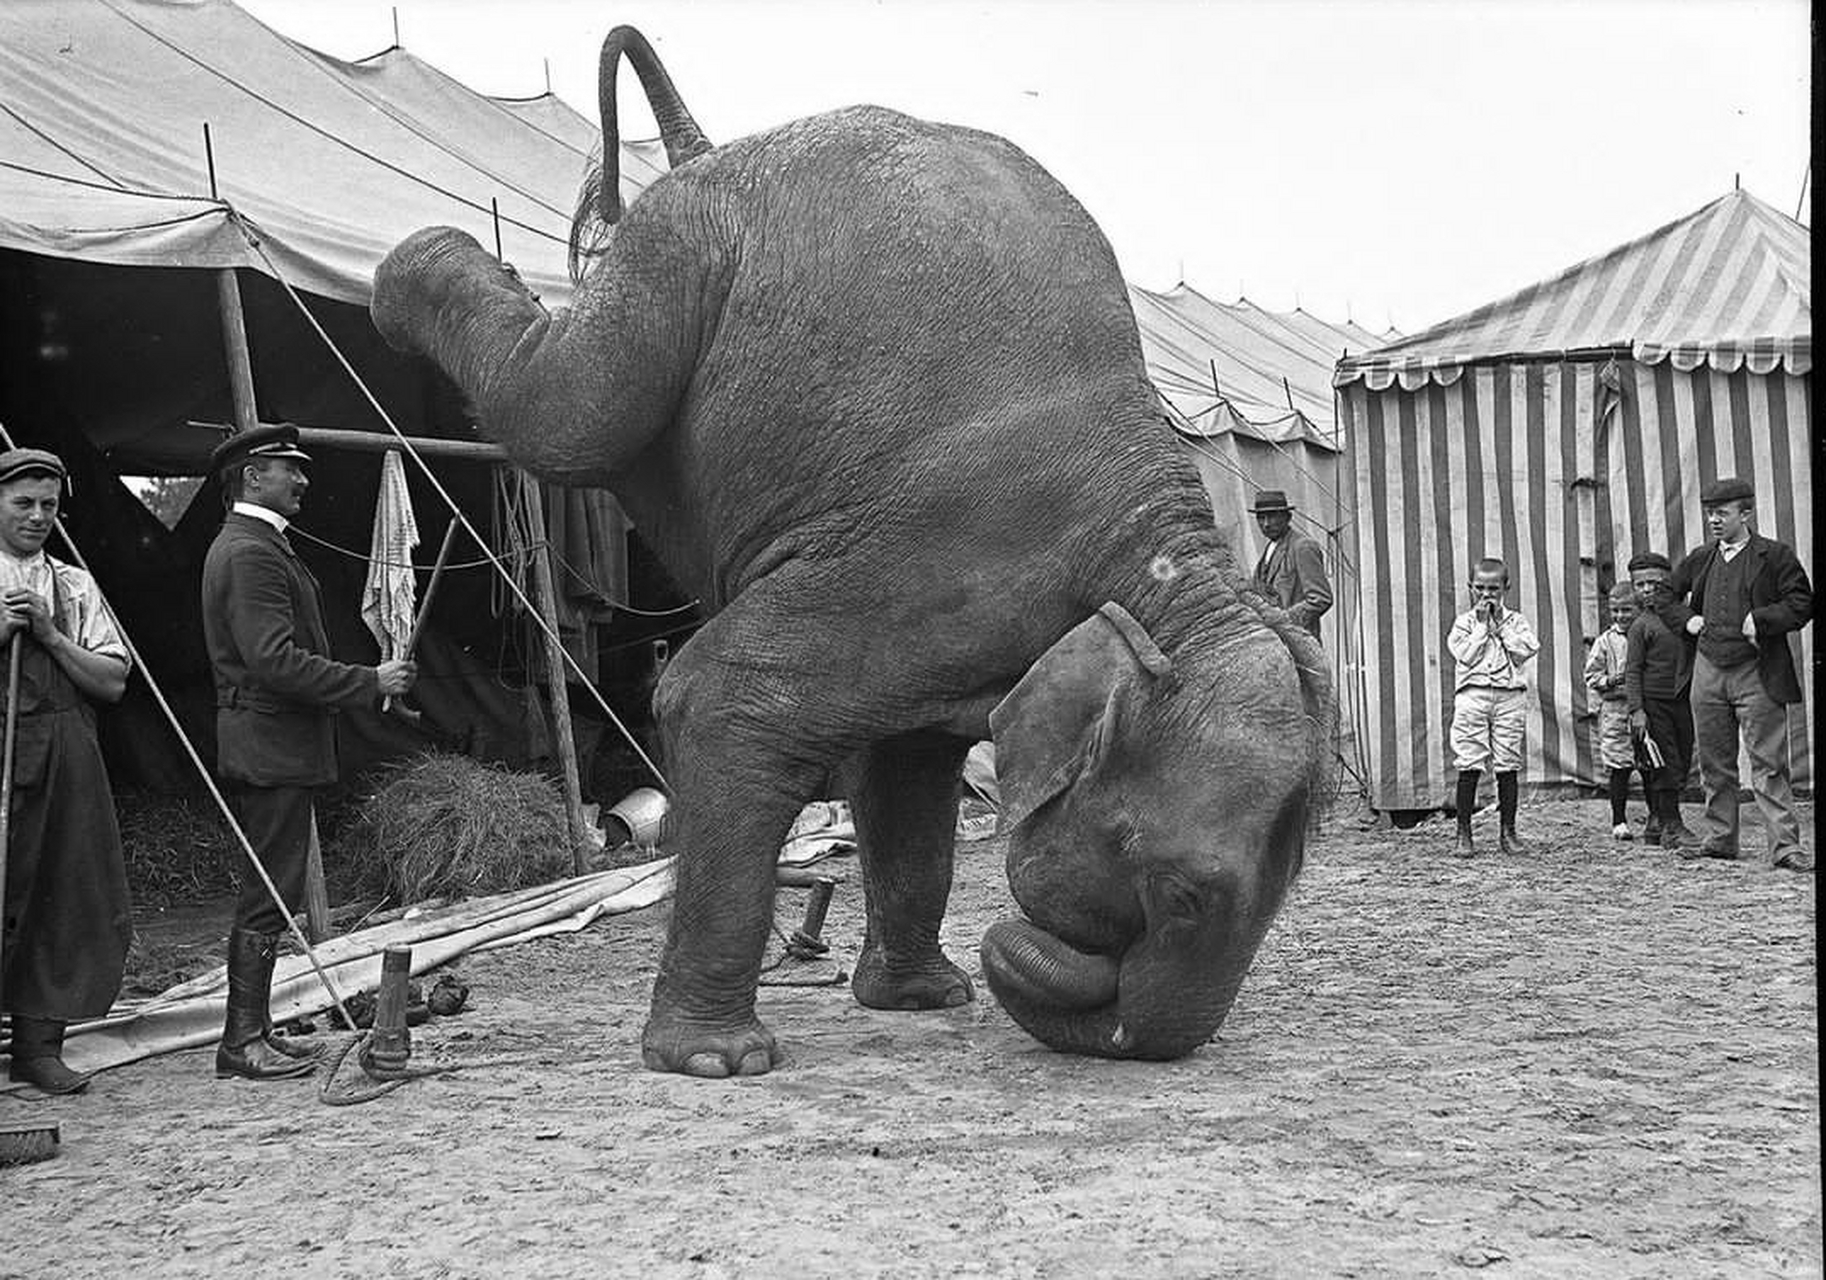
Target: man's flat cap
(279, 440)
(1649, 560)
(1727, 489)
(18, 463)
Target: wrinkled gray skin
(872, 388)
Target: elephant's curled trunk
(599, 203)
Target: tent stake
(554, 671)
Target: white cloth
(90, 624)
(388, 595)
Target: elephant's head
(1158, 814)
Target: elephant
(872, 389)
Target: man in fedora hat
(1747, 594)
(67, 921)
(277, 690)
(1291, 571)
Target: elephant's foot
(713, 1051)
(935, 983)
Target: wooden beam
(554, 674)
(381, 441)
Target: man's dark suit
(1293, 574)
(1732, 707)
(1781, 601)
(276, 694)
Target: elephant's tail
(599, 203)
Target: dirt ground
(1600, 1061)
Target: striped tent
(1249, 391)
(1564, 428)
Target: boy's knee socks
(1507, 796)
(1619, 794)
(1467, 797)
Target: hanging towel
(387, 596)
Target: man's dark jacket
(276, 686)
(1781, 601)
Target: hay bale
(446, 826)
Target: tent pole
(247, 417)
(241, 391)
(234, 343)
(554, 672)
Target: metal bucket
(635, 818)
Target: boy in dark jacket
(1657, 670)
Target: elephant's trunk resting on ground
(872, 390)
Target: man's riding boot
(38, 1057)
(244, 1051)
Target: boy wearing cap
(1490, 645)
(277, 690)
(1657, 672)
(1747, 594)
(1604, 677)
(1291, 571)
(67, 920)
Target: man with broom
(277, 691)
(67, 923)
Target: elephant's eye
(1179, 899)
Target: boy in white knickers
(1489, 644)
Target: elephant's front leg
(743, 762)
(903, 793)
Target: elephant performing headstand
(872, 388)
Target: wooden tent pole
(247, 417)
(241, 392)
(547, 599)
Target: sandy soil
(1597, 1062)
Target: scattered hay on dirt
(177, 848)
(447, 826)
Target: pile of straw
(446, 826)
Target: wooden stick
(424, 604)
(554, 665)
(6, 780)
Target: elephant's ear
(1054, 725)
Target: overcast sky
(1389, 160)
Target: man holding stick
(66, 916)
(277, 690)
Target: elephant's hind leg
(903, 792)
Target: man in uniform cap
(1748, 593)
(277, 690)
(1291, 571)
(67, 922)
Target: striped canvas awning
(1727, 287)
